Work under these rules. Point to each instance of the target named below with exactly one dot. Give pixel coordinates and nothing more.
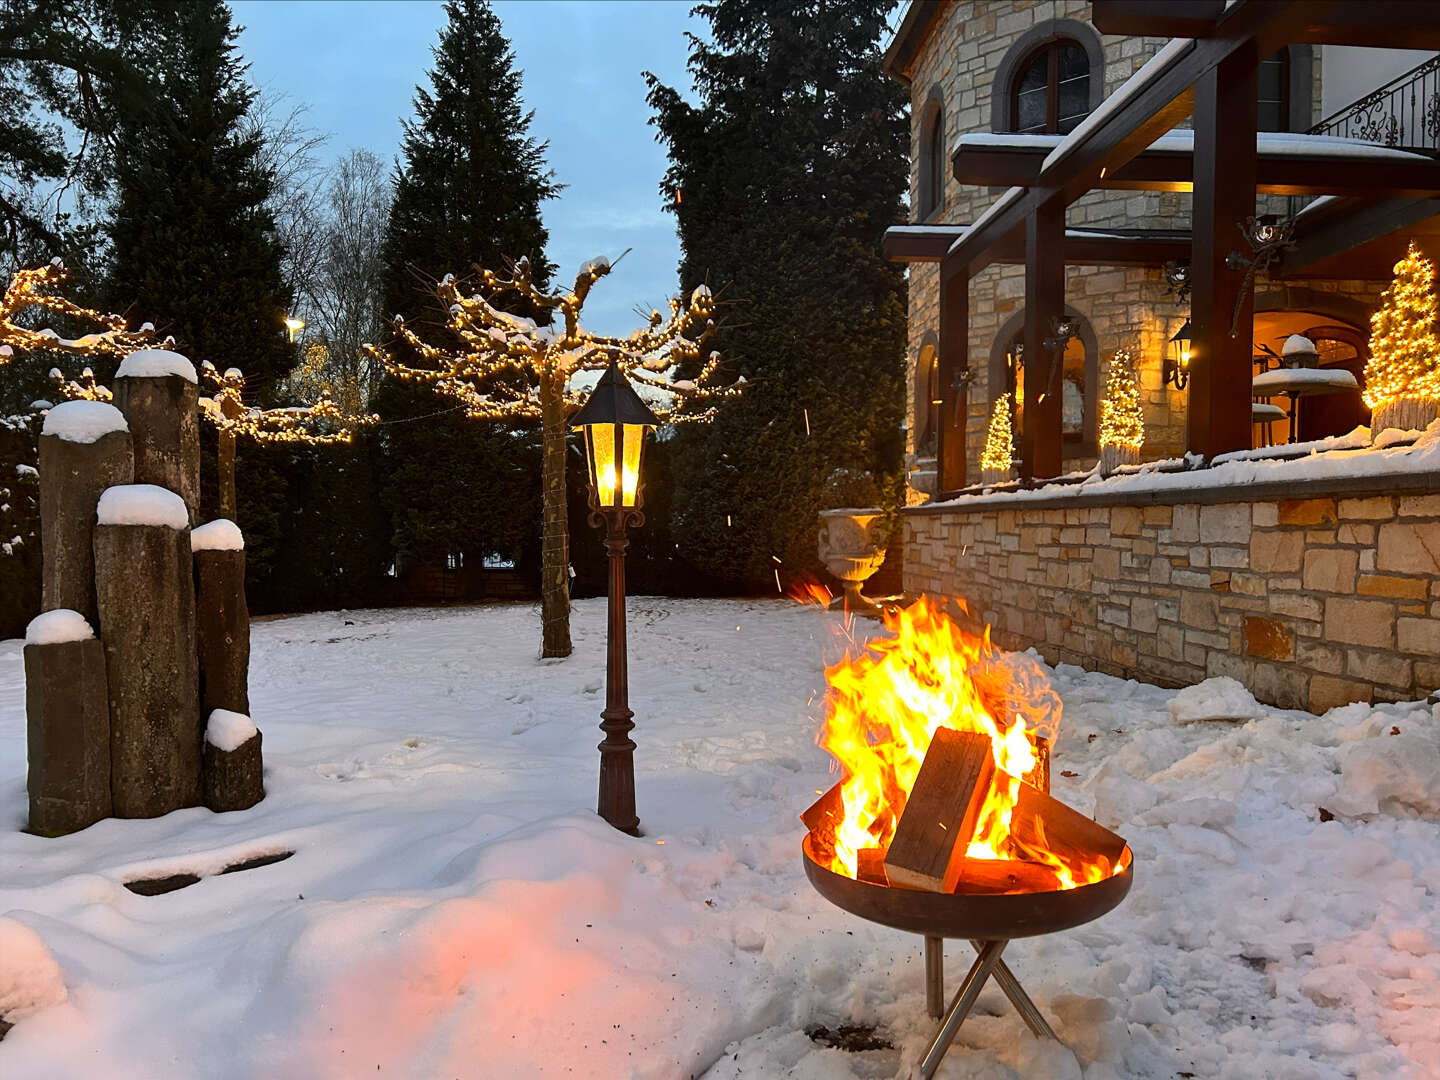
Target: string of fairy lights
(321, 424)
(505, 360)
(37, 289)
(1122, 418)
(1404, 348)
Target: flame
(884, 705)
(806, 590)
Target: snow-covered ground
(455, 909)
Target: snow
(1220, 698)
(1182, 141)
(57, 626)
(590, 266)
(222, 534)
(1268, 465)
(142, 504)
(30, 980)
(228, 731)
(83, 421)
(999, 206)
(1296, 344)
(155, 364)
(1279, 380)
(455, 909)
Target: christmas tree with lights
(999, 453)
(1402, 378)
(1122, 420)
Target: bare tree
(289, 149)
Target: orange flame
(884, 705)
(806, 590)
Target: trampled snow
(455, 909)
(222, 534)
(155, 364)
(57, 626)
(142, 504)
(227, 731)
(83, 421)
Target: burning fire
(884, 706)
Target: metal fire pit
(987, 921)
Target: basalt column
(84, 449)
(144, 578)
(157, 391)
(222, 618)
(67, 724)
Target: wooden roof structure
(1208, 72)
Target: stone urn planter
(852, 547)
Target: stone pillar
(144, 577)
(232, 765)
(67, 724)
(222, 619)
(157, 391)
(84, 448)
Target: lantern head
(614, 421)
(1177, 364)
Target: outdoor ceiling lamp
(1177, 360)
(614, 421)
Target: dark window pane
(1030, 109)
(1272, 79)
(1073, 62)
(1271, 117)
(1037, 74)
(1074, 101)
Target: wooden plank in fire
(870, 866)
(928, 848)
(828, 810)
(1005, 876)
(1040, 820)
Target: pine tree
(1402, 377)
(998, 456)
(1122, 419)
(783, 180)
(193, 246)
(468, 191)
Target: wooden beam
(954, 361)
(1083, 247)
(1146, 18)
(1325, 238)
(1225, 118)
(1040, 432)
(919, 243)
(1173, 170)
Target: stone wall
(1310, 601)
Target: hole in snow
(257, 860)
(156, 886)
(852, 1038)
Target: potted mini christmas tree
(1122, 421)
(999, 453)
(1402, 378)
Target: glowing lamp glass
(614, 452)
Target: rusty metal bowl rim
(990, 916)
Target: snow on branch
(504, 359)
(38, 290)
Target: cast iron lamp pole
(614, 422)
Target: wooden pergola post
(1040, 433)
(1225, 167)
(954, 361)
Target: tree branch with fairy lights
(508, 367)
(37, 290)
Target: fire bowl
(979, 917)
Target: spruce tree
(1402, 378)
(783, 180)
(468, 191)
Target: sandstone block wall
(1311, 601)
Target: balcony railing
(1403, 113)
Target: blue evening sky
(356, 64)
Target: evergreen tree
(193, 247)
(1402, 378)
(468, 191)
(783, 180)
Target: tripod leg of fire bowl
(981, 970)
(935, 976)
(1028, 1010)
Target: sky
(356, 65)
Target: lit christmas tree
(1122, 420)
(1402, 378)
(999, 453)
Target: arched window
(932, 157)
(1051, 90)
(1076, 380)
(927, 403)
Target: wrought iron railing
(1405, 112)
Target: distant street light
(614, 421)
(293, 325)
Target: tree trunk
(555, 537)
(226, 462)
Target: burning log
(1006, 876)
(1043, 822)
(870, 866)
(928, 848)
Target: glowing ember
(883, 707)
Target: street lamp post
(614, 422)
(294, 325)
